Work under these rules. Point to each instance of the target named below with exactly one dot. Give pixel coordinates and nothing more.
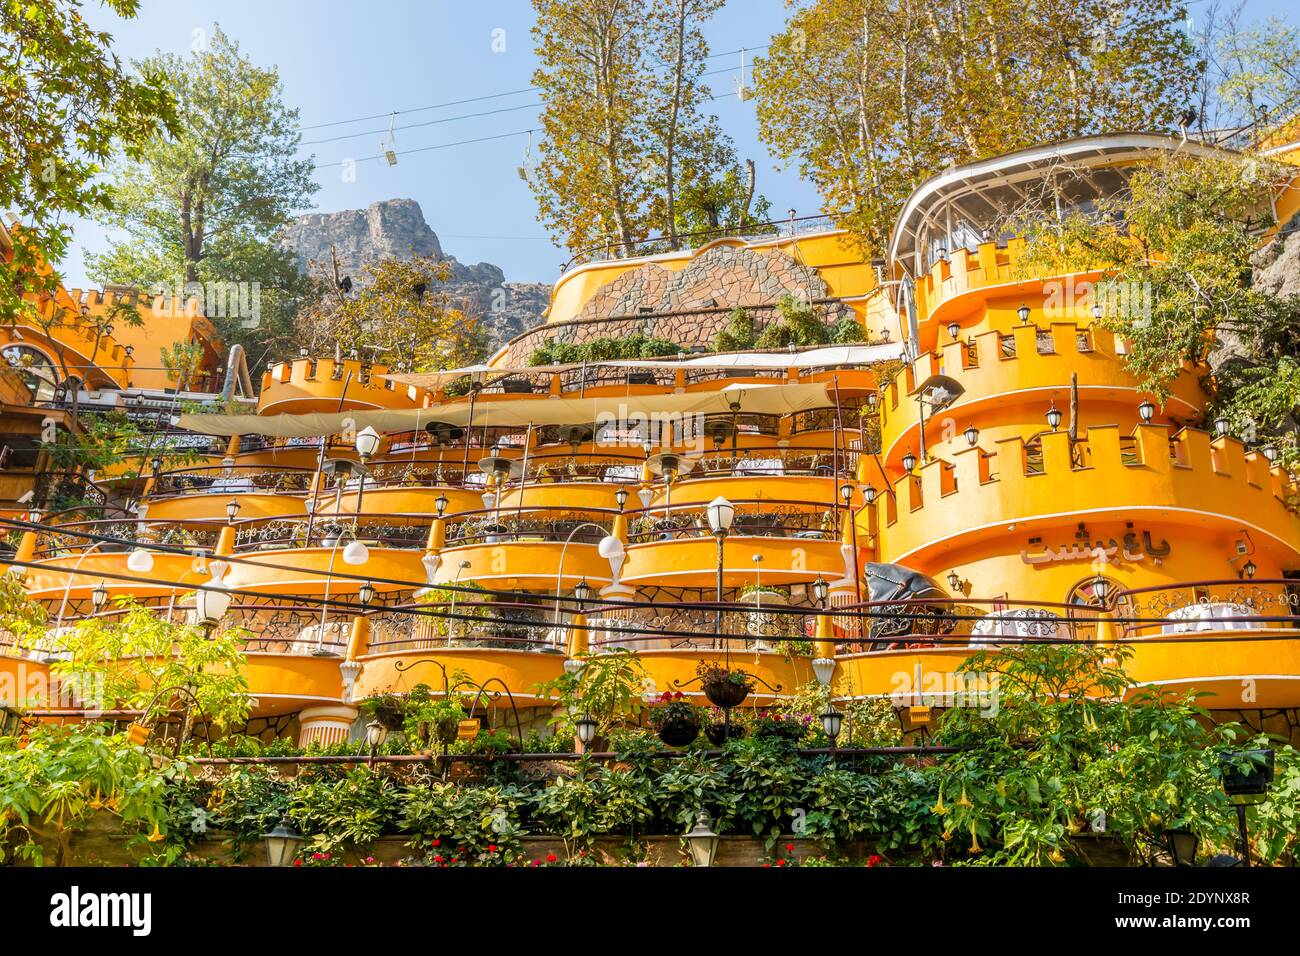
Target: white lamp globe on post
(140, 561)
(356, 553)
(367, 442)
(721, 513)
(211, 603)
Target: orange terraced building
(974, 466)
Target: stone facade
(690, 306)
(721, 277)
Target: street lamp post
(721, 513)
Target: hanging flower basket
(790, 729)
(675, 721)
(719, 734)
(724, 688)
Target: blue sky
(340, 60)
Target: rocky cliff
(397, 228)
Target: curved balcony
(1010, 379)
(541, 549)
(1238, 672)
(73, 565)
(793, 542)
(203, 493)
(327, 385)
(1186, 480)
(307, 556)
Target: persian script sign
(1107, 551)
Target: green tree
(871, 97)
(140, 661)
(1248, 73)
(629, 151)
(204, 203)
(1178, 284)
(398, 310)
(66, 103)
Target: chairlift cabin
(389, 146)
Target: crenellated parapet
(1181, 478)
(1010, 378)
(328, 384)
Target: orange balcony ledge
(693, 562)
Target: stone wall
(689, 306)
(721, 277)
(693, 330)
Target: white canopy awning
(774, 398)
(832, 356)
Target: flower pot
(678, 733)
(718, 735)
(390, 716)
(1247, 779)
(725, 693)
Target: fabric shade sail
(754, 399)
(832, 356)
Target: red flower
(780, 862)
(767, 865)
(438, 858)
(437, 842)
(317, 856)
(551, 858)
(537, 862)
(875, 859)
(789, 847)
(492, 847)
(297, 862)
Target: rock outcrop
(396, 228)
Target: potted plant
(781, 726)
(675, 721)
(387, 709)
(723, 687)
(1246, 773)
(427, 718)
(718, 732)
